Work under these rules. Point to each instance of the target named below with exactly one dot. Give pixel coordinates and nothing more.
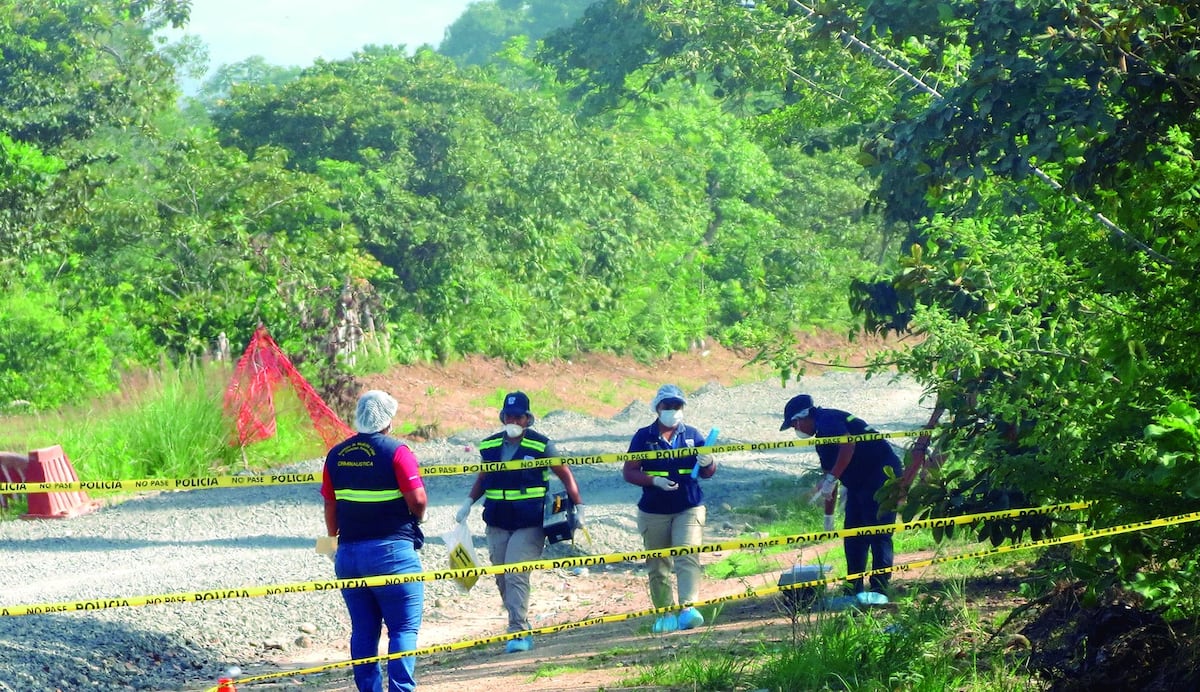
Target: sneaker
(690, 618)
(666, 623)
(520, 644)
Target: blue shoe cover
(690, 618)
(666, 623)
(871, 598)
(516, 645)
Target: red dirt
(437, 400)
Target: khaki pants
(668, 531)
(506, 548)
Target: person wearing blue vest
(671, 510)
(861, 468)
(374, 503)
(513, 508)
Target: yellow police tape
(520, 567)
(147, 484)
(750, 592)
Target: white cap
(374, 412)
(665, 392)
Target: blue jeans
(398, 605)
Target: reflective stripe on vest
(682, 472)
(352, 495)
(525, 442)
(533, 444)
(526, 494)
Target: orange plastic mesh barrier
(249, 399)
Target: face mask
(670, 417)
(801, 434)
(512, 430)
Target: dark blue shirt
(679, 469)
(870, 456)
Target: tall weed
(168, 423)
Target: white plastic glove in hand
(578, 515)
(464, 511)
(827, 486)
(828, 522)
(663, 483)
(706, 460)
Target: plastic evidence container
(804, 597)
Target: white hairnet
(374, 412)
(665, 392)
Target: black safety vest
(369, 505)
(515, 499)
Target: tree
(253, 71)
(193, 239)
(26, 174)
(1057, 302)
(484, 26)
(70, 68)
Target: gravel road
(186, 541)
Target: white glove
(706, 460)
(578, 515)
(663, 483)
(828, 522)
(827, 486)
(464, 510)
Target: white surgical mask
(512, 430)
(670, 417)
(801, 434)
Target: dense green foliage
(467, 210)
(1041, 157)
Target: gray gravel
(186, 541)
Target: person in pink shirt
(374, 503)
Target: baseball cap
(799, 406)
(515, 404)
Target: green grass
(168, 424)
(929, 640)
(702, 665)
(541, 401)
(550, 671)
(931, 643)
(693, 671)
